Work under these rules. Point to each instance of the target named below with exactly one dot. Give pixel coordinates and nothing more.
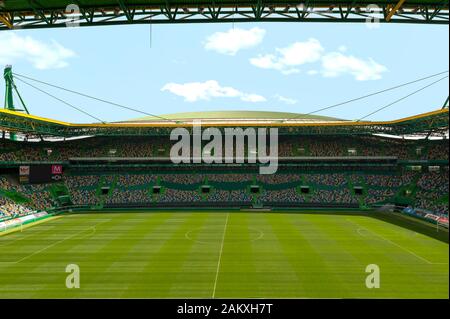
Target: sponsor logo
(57, 169)
(24, 170)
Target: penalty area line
(93, 231)
(220, 256)
(395, 244)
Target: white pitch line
(8, 242)
(409, 251)
(397, 245)
(220, 256)
(51, 245)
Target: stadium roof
(234, 115)
(32, 14)
(436, 122)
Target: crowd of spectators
(229, 178)
(432, 206)
(81, 197)
(129, 196)
(378, 196)
(128, 180)
(289, 195)
(436, 152)
(327, 149)
(436, 182)
(325, 188)
(37, 196)
(185, 179)
(146, 147)
(77, 181)
(83, 189)
(229, 196)
(389, 181)
(279, 179)
(432, 187)
(9, 210)
(179, 196)
(334, 196)
(338, 180)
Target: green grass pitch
(222, 255)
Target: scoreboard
(35, 174)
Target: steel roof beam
(126, 10)
(167, 12)
(394, 10)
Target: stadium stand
(31, 197)
(157, 147)
(277, 190)
(320, 170)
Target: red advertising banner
(57, 169)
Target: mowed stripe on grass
(222, 255)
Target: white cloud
(268, 61)
(335, 64)
(196, 91)
(234, 40)
(253, 98)
(288, 59)
(286, 100)
(41, 55)
(301, 52)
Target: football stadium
(348, 197)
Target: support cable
(402, 98)
(62, 101)
(95, 98)
(368, 95)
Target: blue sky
(288, 67)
